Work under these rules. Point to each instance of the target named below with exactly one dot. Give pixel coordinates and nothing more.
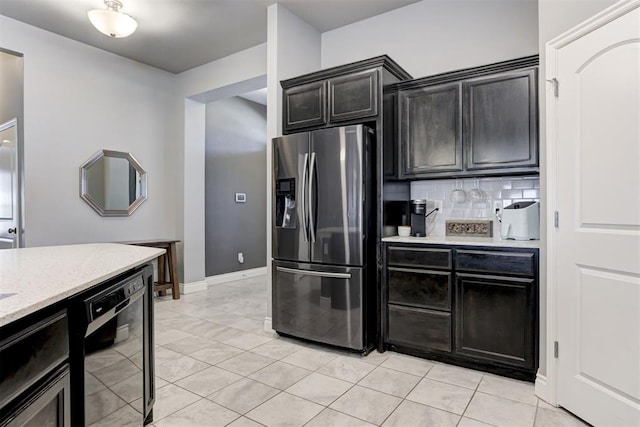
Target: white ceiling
(177, 35)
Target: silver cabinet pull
(314, 273)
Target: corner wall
(77, 100)
(434, 36)
(293, 49)
(232, 75)
(235, 162)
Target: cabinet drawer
(419, 257)
(420, 288)
(353, 96)
(305, 105)
(519, 263)
(29, 355)
(416, 328)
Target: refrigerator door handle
(311, 210)
(304, 198)
(314, 273)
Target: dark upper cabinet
(501, 127)
(350, 93)
(353, 96)
(474, 122)
(431, 129)
(305, 105)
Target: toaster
(521, 221)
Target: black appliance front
(112, 359)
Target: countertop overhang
(39, 277)
(465, 241)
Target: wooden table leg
(162, 259)
(173, 271)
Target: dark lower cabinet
(47, 405)
(34, 371)
(495, 319)
(473, 306)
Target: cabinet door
(47, 405)
(501, 121)
(431, 129)
(353, 96)
(304, 106)
(495, 319)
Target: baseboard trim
(235, 275)
(191, 287)
(542, 389)
(268, 326)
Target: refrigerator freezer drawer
(319, 303)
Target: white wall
(435, 36)
(233, 75)
(77, 100)
(294, 49)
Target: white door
(598, 237)
(9, 186)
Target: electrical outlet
(240, 257)
(437, 204)
(497, 206)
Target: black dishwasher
(112, 373)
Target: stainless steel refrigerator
(323, 236)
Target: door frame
(547, 386)
(15, 122)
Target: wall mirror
(113, 183)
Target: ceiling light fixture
(111, 21)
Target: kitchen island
(50, 298)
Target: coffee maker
(418, 223)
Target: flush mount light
(111, 21)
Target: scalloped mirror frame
(84, 185)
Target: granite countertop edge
(42, 276)
(464, 241)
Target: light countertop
(41, 276)
(469, 241)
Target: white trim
(600, 19)
(552, 205)
(547, 386)
(191, 287)
(542, 389)
(235, 275)
(268, 326)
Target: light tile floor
(217, 367)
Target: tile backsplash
(506, 190)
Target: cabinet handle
(13, 230)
